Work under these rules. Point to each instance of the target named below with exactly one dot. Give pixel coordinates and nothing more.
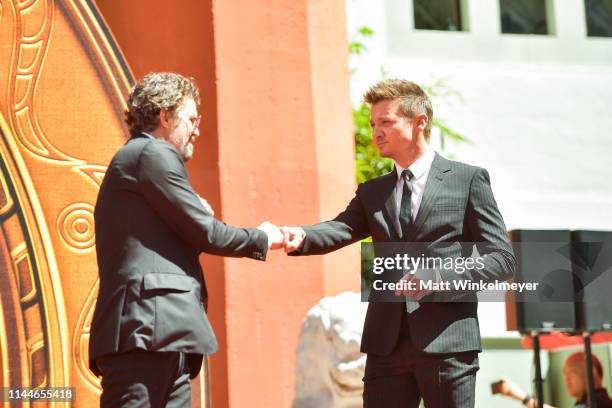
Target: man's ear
(421, 121)
(166, 119)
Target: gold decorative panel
(62, 89)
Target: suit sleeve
(166, 188)
(487, 230)
(347, 227)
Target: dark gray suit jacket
(150, 231)
(457, 206)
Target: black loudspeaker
(592, 262)
(544, 257)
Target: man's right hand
(276, 238)
(511, 389)
(294, 238)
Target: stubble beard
(187, 151)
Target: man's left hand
(418, 279)
(206, 206)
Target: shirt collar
(148, 135)
(420, 165)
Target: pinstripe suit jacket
(457, 206)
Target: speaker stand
(588, 357)
(539, 389)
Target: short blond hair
(412, 99)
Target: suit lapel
(390, 210)
(433, 186)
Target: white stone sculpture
(329, 365)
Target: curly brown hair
(157, 91)
(413, 100)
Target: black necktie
(405, 213)
(405, 219)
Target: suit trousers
(140, 378)
(407, 375)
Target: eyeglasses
(195, 122)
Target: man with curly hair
(150, 329)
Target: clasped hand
(288, 238)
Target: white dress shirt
(420, 170)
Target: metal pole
(588, 357)
(539, 389)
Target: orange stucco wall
(277, 145)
